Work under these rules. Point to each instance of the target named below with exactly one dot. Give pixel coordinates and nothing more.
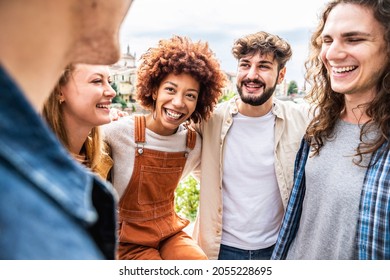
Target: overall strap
(191, 138)
(139, 129)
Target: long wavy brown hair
(52, 113)
(328, 105)
(179, 55)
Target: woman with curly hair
(340, 202)
(179, 82)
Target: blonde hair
(52, 112)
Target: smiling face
(175, 101)
(257, 77)
(353, 50)
(87, 97)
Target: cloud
(220, 22)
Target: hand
(115, 114)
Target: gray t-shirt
(331, 206)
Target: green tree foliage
(118, 98)
(292, 88)
(226, 97)
(187, 198)
(114, 87)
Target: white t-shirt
(252, 205)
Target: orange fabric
(139, 134)
(191, 138)
(177, 247)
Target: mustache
(255, 81)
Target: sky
(220, 23)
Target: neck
(77, 132)
(355, 108)
(157, 128)
(76, 143)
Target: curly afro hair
(179, 55)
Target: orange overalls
(149, 228)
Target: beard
(256, 100)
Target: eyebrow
(351, 34)
(174, 84)
(97, 74)
(263, 61)
(357, 33)
(102, 75)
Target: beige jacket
(290, 125)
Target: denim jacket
(51, 207)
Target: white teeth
(173, 114)
(253, 85)
(103, 106)
(344, 69)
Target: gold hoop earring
(154, 112)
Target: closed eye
(355, 40)
(97, 81)
(326, 40)
(244, 65)
(264, 66)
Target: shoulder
(287, 109)
(223, 110)
(196, 148)
(127, 121)
(198, 142)
(227, 105)
(120, 126)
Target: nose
(335, 51)
(177, 100)
(109, 92)
(252, 73)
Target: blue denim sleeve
(34, 226)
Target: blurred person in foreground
(248, 150)
(178, 81)
(50, 206)
(340, 203)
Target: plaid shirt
(373, 230)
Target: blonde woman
(78, 105)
